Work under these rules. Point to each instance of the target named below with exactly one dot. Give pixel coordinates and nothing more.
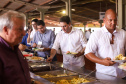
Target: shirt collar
(44, 32)
(105, 30)
(73, 29)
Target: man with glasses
(105, 44)
(45, 38)
(69, 40)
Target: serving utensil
(89, 74)
(49, 63)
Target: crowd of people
(101, 48)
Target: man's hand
(34, 45)
(22, 47)
(107, 62)
(46, 49)
(49, 59)
(78, 54)
(29, 33)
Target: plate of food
(25, 54)
(35, 59)
(38, 49)
(71, 53)
(120, 58)
(122, 66)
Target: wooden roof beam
(76, 3)
(30, 4)
(23, 5)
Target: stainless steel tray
(38, 67)
(56, 73)
(92, 80)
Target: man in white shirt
(31, 35)
(70, 39)
(105, 44)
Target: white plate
(37, 59)
(72, 53)
(39, 49)
(120, 61)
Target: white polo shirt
(75, 41)
(99, 43)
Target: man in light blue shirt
(45, 37)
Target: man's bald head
(110, 20)
(110, 11)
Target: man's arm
(83, 43)
(22, 47)
(28, 39)
(80, 53)
(107, 61)
(52, 54)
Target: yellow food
(50, 76)
(73, 81)
(36, 58)
(68, 52)
(120, 57)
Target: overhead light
(73, 9)
(64, 12)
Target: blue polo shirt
(24, 40)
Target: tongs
(49, 64)
(89, 73)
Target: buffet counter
(39, 69)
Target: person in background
(23, 45)
(92, 31)
(45, 38)
(69, 40)
(88, 33)
(34, 27)
(54, 30)
(108, 42)
(13, 67)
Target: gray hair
(7, 19)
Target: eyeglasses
(41, 28)
(112, 40)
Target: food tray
(38, 67)
(56, 73)
(35, 59)
(54, 80)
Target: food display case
(43, 68)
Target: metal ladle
(49, 64)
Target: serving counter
(96, 78)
